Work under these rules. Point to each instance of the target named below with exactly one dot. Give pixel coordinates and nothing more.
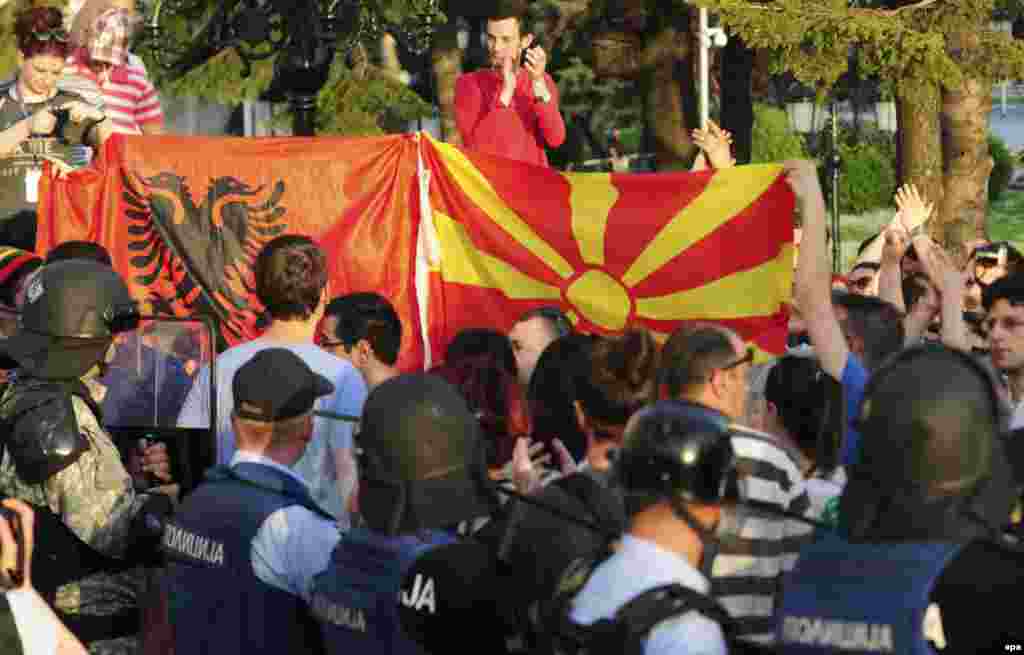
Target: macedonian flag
(612, 250)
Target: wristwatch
(540, 91)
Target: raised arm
(813, 293)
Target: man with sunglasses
(709, 366)
(863, 279)
(987, 263)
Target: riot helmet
(422, 461)
(679, 451)
(71, 312)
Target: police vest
(853, 598)
(355, 599)
(217, 604)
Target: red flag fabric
(184, 217)
(611, 250)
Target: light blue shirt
(293, 544)
(332, 440)
(640, 565)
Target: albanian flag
(184, 219)
(611, 250)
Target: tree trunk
(663, 109)
(920, 142)
(446, 58)
(737, 96)
(965, 115)
(652, 61)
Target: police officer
(918, 555)
(244, 546)
(57, 457)
(675, 466)
(422, 471)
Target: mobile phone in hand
(12, 572)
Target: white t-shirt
(329, 436)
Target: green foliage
(868, 177)
(368, 107)
(812, 39)
(999, 180)
(773, 140)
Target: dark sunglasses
(746, 359)
(51, 35)
(862, 283)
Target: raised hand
(895, 245)
(716, 143)
(536, 63)
(914, 210)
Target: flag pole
(708, 37)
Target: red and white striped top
(129, 98)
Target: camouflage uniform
(96, 499)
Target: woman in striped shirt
(100, 61)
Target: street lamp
(303, 37)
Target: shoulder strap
(669, 601)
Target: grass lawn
(1006, 223)
(1006, 217)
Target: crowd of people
(545, 490)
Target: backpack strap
(643, 613)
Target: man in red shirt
(510, 109)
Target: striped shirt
(129, 98)
(756, 548)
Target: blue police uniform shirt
(844, 597)
(855, 379)
(640, 565)
(355, 599)
(294, 544)
(237, 572)
(330, 438)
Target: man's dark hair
(877, 323)
(1009, 288)
(914, 286)
(369, 316)
(691, 355)
(477, 343)
(291, 275)
(871, 266)
(518, 9)
(554, 317)
(798, 389)
(80, 250)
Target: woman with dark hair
(38, 121)
(621, 379)
(551, 395)
(481, 365)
